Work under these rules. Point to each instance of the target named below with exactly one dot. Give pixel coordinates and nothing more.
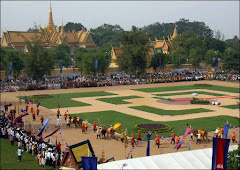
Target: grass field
(9, 158)
(107, 118)
(190, 92)
(118, 100)
(65, 99)
(169, 112)
(234, 106)
(191, 87)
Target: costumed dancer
(37, 111)
(94, 126)
(234, 137)
(83, 127)
(178, 139)
(42, 119)
(58, 113)
(122, 135)
(139, 136)
(26, 107)
(65, 115)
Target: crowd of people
(93, 81)
(46, 153)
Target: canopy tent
(195, 159)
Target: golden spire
(175, 33)
(50, 18)
(62, 29)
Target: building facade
(157, 46)
(50, 37)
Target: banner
(96, 66)
(43, 77)
(26, 100)
(220, 152)
(89, 163)
(51, 133)
(43, 126)
(148, 144)
(187, 131)
(19, 117)
(61, 67)
(225, 133)
(10, 68)
(214, 61)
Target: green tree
(37, 61)
(106, 33)
(231, 59)
(61, 53)
(3, 61)
(164, 29)
(215, 44)
(233, 159)
(233, 43)
(179, 57)
(155, 62)
(16, 57)
(135, 46)
(195, 56)
(70, 26)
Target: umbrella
(117, 126)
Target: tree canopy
(135, 47)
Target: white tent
(194, 159)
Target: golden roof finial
(175, 33)
(62, 29)
(50, 6)
(50, 18)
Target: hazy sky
(20, 15)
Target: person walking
(86, 124)
(37, 111)
(42, 119)
(234, 137)
(68, 121)
(98, 132)
(122, 136)
(133, 140)
(83, 127)
(58, 113)
(19, 153)
(94, 126)
(198, 138)
(65, 115)
(157, 139)
(139, 136)
(178, 139)
(173, 137)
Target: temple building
(50, 37)
(157, 46)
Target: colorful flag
(10, 68)
(43, 126)
(96, 66)
(89, 163)
(148, 144)
(187, 131)
(220, 153)
(38, 103)
(55, 131)
(225, 133)
(26, 100)
(19, 117)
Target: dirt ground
(115, 148)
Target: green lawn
(191, 87)
(118, 100)
(9, 158)
(234, 106)
(111, 117)
(65, 99)
(169, 112)
(183, 93)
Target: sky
(21, 15)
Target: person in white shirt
(53, 160)
(19, 152)
(198, 138)
(49, 158)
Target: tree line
(195, 45)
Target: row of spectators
(46, 153)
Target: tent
(194, 159)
